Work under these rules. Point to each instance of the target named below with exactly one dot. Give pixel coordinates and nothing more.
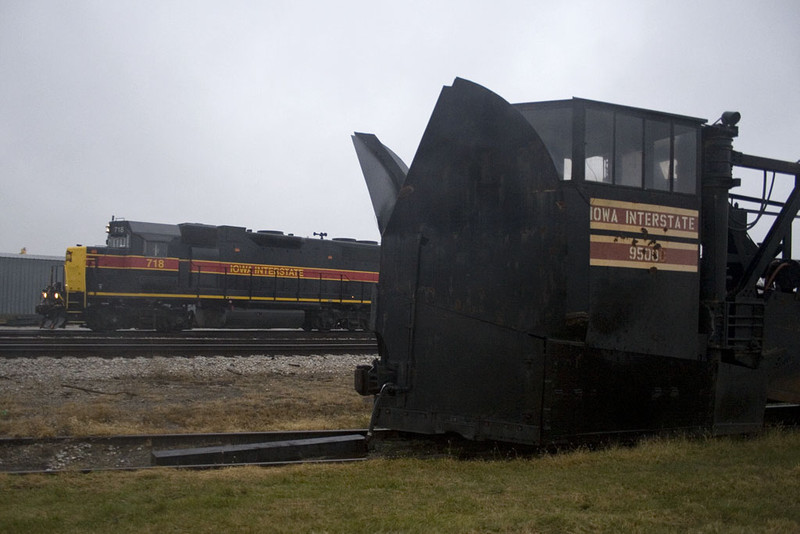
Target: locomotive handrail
(764, 164)
(758, 200)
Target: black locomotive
(564, 270)
(169, 277)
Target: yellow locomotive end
(75, 277)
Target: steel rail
(32, 342)
(139, 347)
(138, 452)
(44, 333)
(8, 331)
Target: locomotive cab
(633, 217)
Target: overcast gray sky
(241, 112)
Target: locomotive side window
(155, 248)
(619, 145)
(554, 126)
(628, 151)
(684, 165)
(656, 154)
(599, 139)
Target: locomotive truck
(559, 271)
(171, 277)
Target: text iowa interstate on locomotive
(644, 236)
(229, 268)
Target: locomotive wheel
(322, 324)
(322, 321)
(163, 323)
(171, 319)
(102, 319)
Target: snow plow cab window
(619, 145)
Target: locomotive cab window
(119, 241)
(118, 235)
(599, 144)
(619, 145)
(657, 155)
(553, 123)
(628, 151)
(685, 160)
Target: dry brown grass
(165, 402)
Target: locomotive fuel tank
(556, 271)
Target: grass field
(662, 485)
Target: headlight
(57, 295)
(44, 294)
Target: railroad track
(79, 332)
(136, 452)
(33, 343)
(206, 451)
